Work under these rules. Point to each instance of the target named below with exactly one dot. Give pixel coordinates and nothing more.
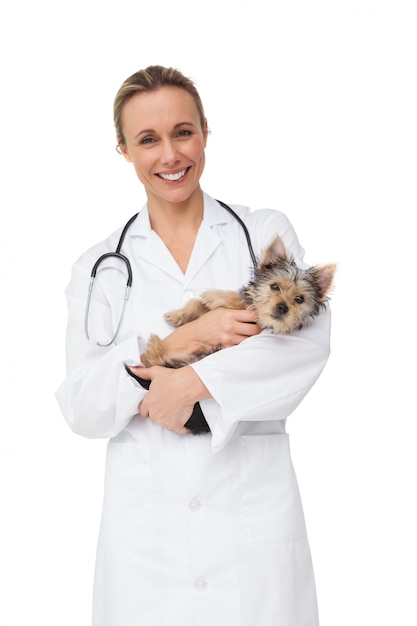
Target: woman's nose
(168, 152)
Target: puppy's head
(285, 296)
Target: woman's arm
(264, 378)
(97, 398)
(174, 393)
(220, 327)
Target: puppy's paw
(189, 312)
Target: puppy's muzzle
(280, 310)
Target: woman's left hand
(171, 396)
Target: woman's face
(165, 143)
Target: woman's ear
(121, 149)
(206, 132)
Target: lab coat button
(194, 505)
(187, 295)
(200, 584)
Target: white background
(312, 109)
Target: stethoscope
(118, 255)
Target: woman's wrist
(182, 341)
(193, 387)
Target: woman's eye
(275, 287)
(299, 299)
(147, 140)
(184, 133)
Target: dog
(284, 297)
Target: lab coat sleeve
(98, 398)
(266, 376)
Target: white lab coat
(197, 530)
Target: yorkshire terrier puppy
(284, 297)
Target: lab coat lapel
(205, 244)
(145, 244)
(208, 239)
(156, 252)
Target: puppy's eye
(299, 299)
(275, 287)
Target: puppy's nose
(281, 309)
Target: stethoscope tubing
(118, 255)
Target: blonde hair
(152, 78)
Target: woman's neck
(177, 224)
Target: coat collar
(152, 249)
(214, 214)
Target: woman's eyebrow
(145, 130)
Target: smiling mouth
(174, 177)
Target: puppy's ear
(276, 250)
(323, 276)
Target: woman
(196, 529)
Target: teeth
(176, 176)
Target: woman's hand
(171, 396)
(220, 327)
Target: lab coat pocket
(128, 517)
(271, 505)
